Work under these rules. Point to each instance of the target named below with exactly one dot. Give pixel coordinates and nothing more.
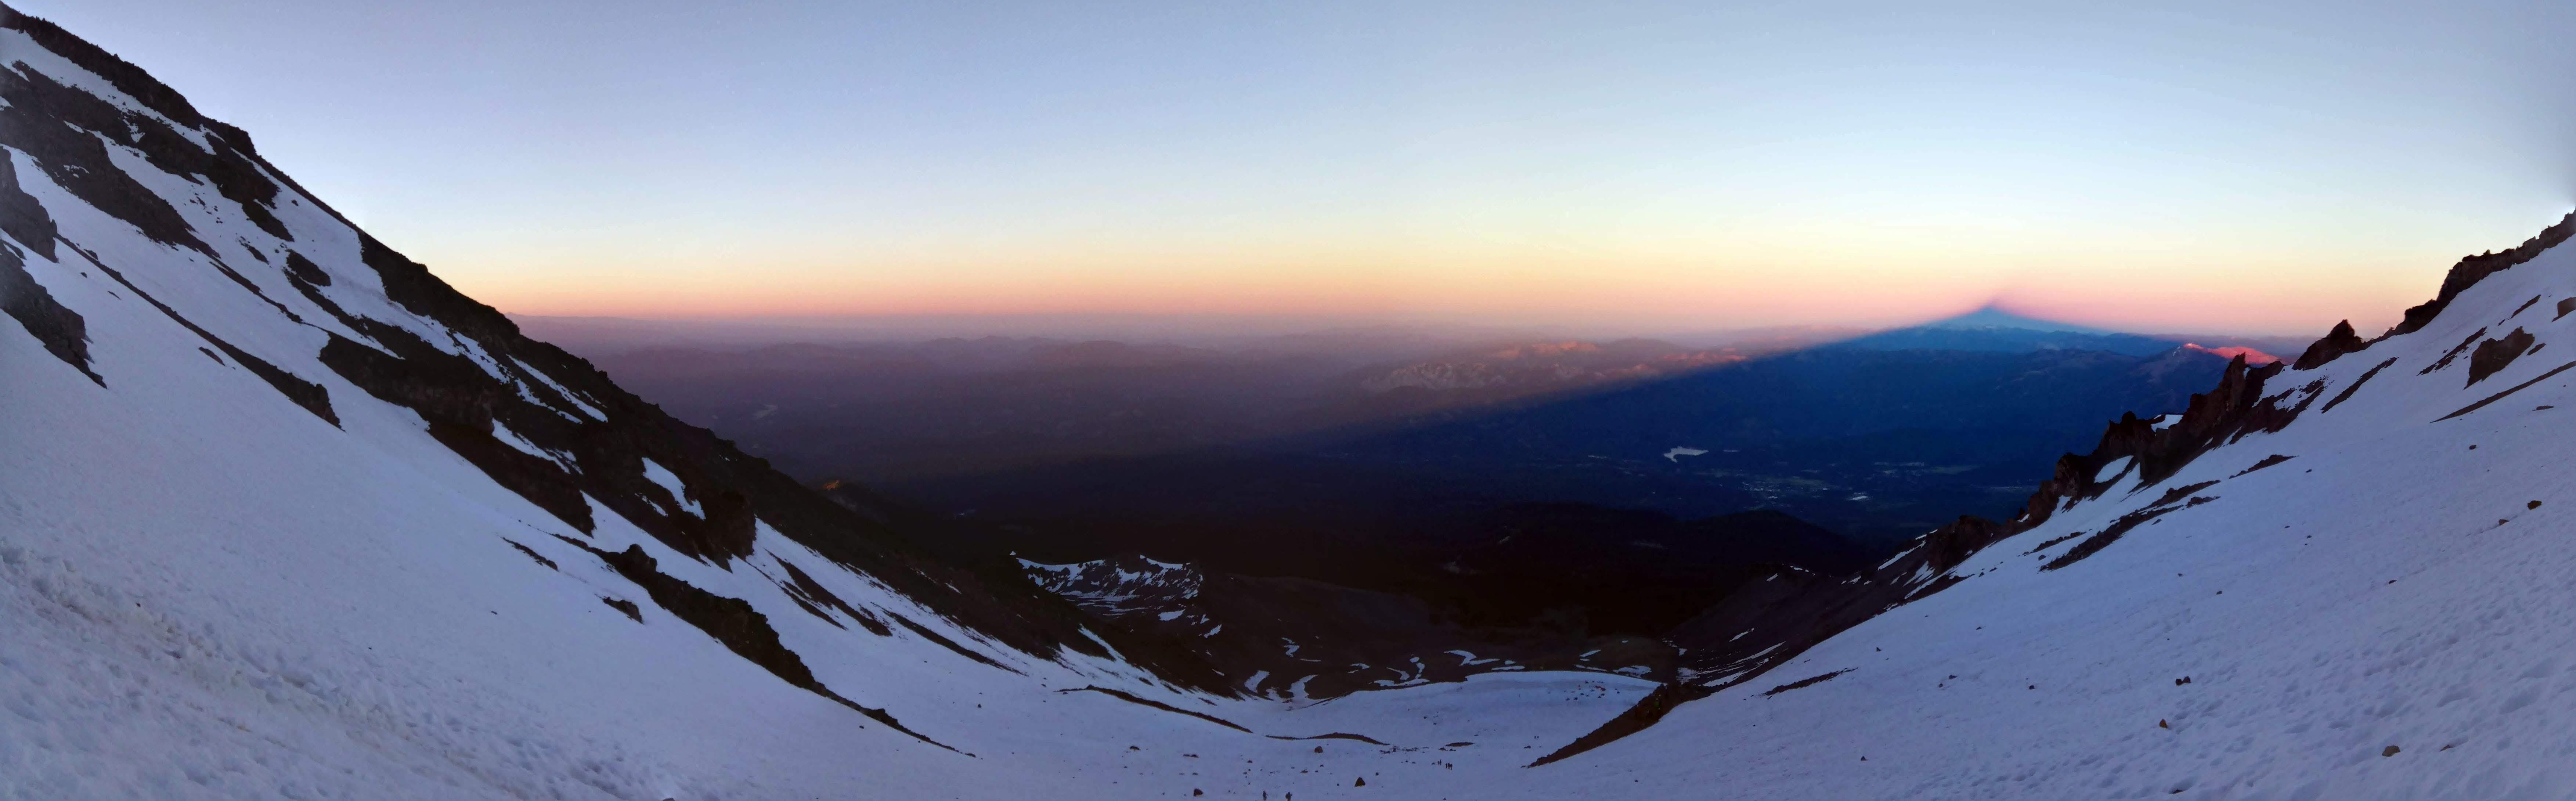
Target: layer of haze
(2264, 167)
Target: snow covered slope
(1299, 640)
(2344, 580)
(283, 516)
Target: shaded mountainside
(1302, 640)
(2141, 472)
(282, 514)
(1874, 444)
(539, 421)
(1539, 587)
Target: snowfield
(209, 591)
(2401, 582)
(212, 589)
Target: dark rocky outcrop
(2355, 386)
(2268, 461)
(596, 436)
(63, 129)
(2234, 409)
(2494, 354)
(21, 217)
(311, 396)
(1809, 681)
(2469, 271)
(61, 330)
(126, 77)
(731, 621)
(632, 612)
(2518, 310)
(2112, 533)
(1637, 718)
(531, 553)
(2481, 404)
(303, 269)
(2453, 354)
(1133, 699)
(2340, 341)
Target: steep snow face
(281, 516)
(2366, 599)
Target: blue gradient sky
(1665, 166)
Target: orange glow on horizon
(1631, 291)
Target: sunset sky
(1644, 167)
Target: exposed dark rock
(733, 622)
(2453, 353)
(532, 554)
(1809, 681)
(246, 285)
(2469, 271)
(2501, 395)
(2053, 542)
(126, 77)
(805, 590)
(2518, 310)
(633, 612)
(303, 393)
(2336, 343)
(21, 217)
(734, 489)
(1645, 713)
(1133, 699)
(63, 128)
(2268, 461)
(2232, 410)
(1343, 736)
(2463, 275)
(2110, 534)
(2356, 384)
(1952, 544)
(816, 611)
(303, 269)
(945, 642)
(314, 293)
(1330, 639)
(2181, 492)
(61, 330)
(2495, 354)
(540, 481)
